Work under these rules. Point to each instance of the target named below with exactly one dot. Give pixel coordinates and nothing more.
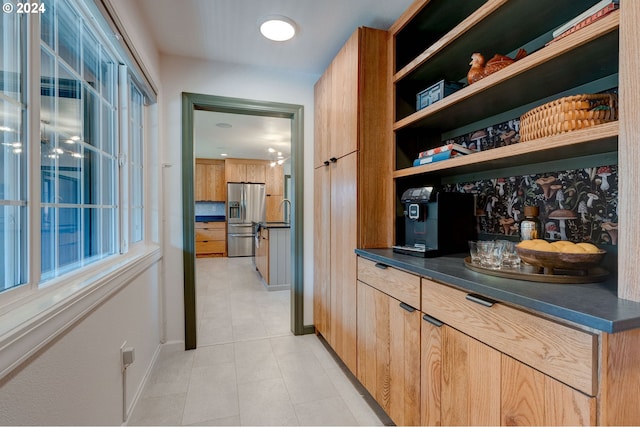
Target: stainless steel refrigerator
(245, 207)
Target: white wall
(76, 380)
(181, 74)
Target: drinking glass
(490, 254)
(473, 250)
(510, 257)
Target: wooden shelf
(587, 55)
(593, 140)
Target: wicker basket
(567, 114)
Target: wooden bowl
(560, 260)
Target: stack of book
(445, 152)
(589, 16)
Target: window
(136, 139)
(13, 172)
(78, 212)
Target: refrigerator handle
(244, 203)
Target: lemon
(527, 244)
(573, 249)
(588, 247)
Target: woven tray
(567, 114)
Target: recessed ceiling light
(223, 125)
(224, 154)
(271, 150)
(278, 28)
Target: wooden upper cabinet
(322, 128)
(244, 170)
(210, 182)
(275, 180)
(343, 115)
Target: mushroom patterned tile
(576, 205)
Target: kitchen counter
(275, 225)
(594, 305)
(210, 218)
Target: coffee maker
(436, 222)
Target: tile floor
(248, 368)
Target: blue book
(443, 155)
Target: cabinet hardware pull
(478, 299)
(407, 307)
(432, 320)
(326, 162)
(381, 266)
(333, 160)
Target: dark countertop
(210, 218)
(594, 305)
(275, 225)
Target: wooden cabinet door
(430, 372)
(200, 190)
(530, 397)
(343, 236)
(470, 384)
(256, 172)
(321, 252)
(275, 180)
(235, 172)
(389, 353)
(322, 118)
(274, 208)
(218, 186)
(344, 116)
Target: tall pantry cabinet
(352, 181)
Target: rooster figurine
(480, 70)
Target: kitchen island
(273, 254)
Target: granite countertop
(210, 218)
(594, 305)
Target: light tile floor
(248, 368)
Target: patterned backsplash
(576, 205)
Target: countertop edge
(582, 318)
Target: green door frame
(193, 101)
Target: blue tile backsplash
(210, 208)
(576, 205)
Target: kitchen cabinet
(480, 362)
(275, 193)
(388, 331)
(352, 181)
(211, 239)
(210, 182)
(244, 170)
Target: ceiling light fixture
(278, 28)
(224, 154)
(224, 125)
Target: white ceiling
(227, 31)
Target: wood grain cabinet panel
(561, 351)
(210, 182)
(396, 283)
(389, 353)
(352, 180)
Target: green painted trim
(188, 227)
(193, 101)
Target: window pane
(90, 59)
(108, 78)
(68, 35)
(109, 180)
(69, 236)
(47, 20)
(48, 226)
(91, 119)
(13, 154)
(108, 128)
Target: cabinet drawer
(400, 285)
(565, 353)
(210, 247)
(211, 225)
(203, 234)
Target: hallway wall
(181, 74)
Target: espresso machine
(436, 223)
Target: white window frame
(34, 314)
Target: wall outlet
(127, 355)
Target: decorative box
(436, 93)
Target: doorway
(192, 102)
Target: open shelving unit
(585, 60)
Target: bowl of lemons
(560, 255)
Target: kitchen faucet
(287, 216)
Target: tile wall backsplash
(577, 205)
(210, 208)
